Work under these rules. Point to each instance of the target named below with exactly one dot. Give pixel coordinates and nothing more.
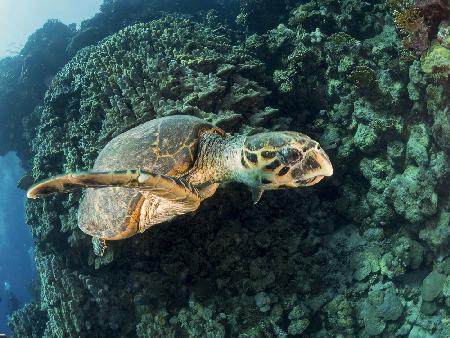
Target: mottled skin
(166, 167)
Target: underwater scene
(225, 168)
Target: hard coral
(436, 62)
(419, 21)
(172, 66)
(412, 25)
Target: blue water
(16, 247)
(20, 18)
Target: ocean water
(17, 267)
(225, 168)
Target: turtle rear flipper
(167, 187)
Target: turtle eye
(268, 154)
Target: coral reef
(436, 61)
(24, 78)
(191, 70)
(29, 321)
(362, 254)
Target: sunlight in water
(20, 18)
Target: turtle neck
(218, 160)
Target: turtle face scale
(284, 160)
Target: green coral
(28, 321)
(417, 145)
(371, 125)
(441, 128)
(446, 290)
(413, 194)
(297, 321)
(200, 321)
(391, 308)
(437, 234)
(437, 61)
(103, 91)
(405, 254)
(195, 321)
(155, 324)
(367, 262)
(340, 314)
(381, 306)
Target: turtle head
(276, 160)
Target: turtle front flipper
(85, 179)
(167, 187)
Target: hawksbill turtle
(168, 166)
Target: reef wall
(361, 254)
(24, 78)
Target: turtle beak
(313, 169)
(326, 168)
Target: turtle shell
(166, 145)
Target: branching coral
(418, 21)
